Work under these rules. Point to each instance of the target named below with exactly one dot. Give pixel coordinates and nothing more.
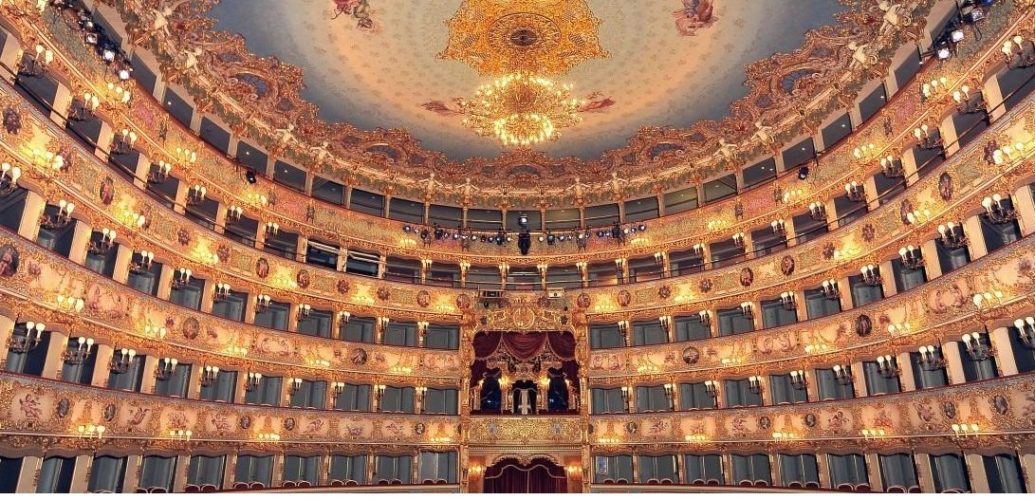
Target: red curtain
(525, 346)
(539, 476)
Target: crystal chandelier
(521, 109)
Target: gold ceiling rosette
(547, 37)
(521, 42)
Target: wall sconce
(831, 290)
(976, 347)
(69, 304)
(695, 438)
(1026, 331)
(887, 367)
(344, 316)
(912, 258)
(91, 431)
(778, 226)
(422, 327)
(186, 156)
(705, 318)
(927, 138)
(122, 360)
(9, 178)
(864, 152)
(155, 332)
(83, 107)
(119, 94)
(294, 384)
(784, 436)
(34, 64)
(999, 210)
(747, 310)
(818, 211)
(262, 302)
(166, 368)
(103, 245)
(123, 143)
(159, 173)
(968, 104)
(870, 274)
(1008, 154)
(931, 358)
(209, 374)
(22, 344)
(855, 192)
(985, 301)
(61, 219)
(843, 374)
(47, 159)
(196, 194)
(659, 257)
(918, 216)
(181, 278)
(267, 437)
(181, 434)
(755, 384)
(623, 327)
(965, 430)
(816, 348)
(666, 323)
(272, 228)
(382, 321)
(142, 262)
(699, 249)
(627, 392)
(252, 381)
(934, 88)
(788, 301)
(303, 311)
(952, 235)
(234, 213)
(78, 354)
(738, 240)
(875, 433)
(892, 167)
(798, 380)
(1020, 53)
(712, 388)
(338, 388)
(222, 292)
(732, 361)
(476, 469)
(899, 328)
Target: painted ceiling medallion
(521, 109)
(548, 37)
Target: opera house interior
(511, 246)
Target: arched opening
(524, 373)
(538, 476)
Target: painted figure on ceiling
(694, 15)
(358, 9)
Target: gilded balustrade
(334, 223)
(44, 415)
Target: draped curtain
(524, 346)
(539, 476)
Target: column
(1004, 355)
(870, 185)
(873, 472)
(131, 475)
(278, 470)
(975, 238)
(208, 299)
(123, 256)
(29, 227)
(301, 247)
(789, 232)
(9, 57)
(766, 394)
(55, 351)
(27, 476)
(165, 282)
(909, 167)
(932, 266)
(6, 331)
(194, 380)
(887, 273)
(81, 474)
(811, 385)
(993, 95)
(636, 469)
(859, 379)
(824, 470)
(1025, 206)
(947, 129)
(1028, 468)
(182, 469)
(80, 242)
(976, 471)
(62, 101)
(727, 469)
(924, 474)
(906, 379)
(220, 222)
(142, 171)
(292, 320)
(774, 464)
(845, 288)
(228, 471)
(102, 360)
(104, 139)
(953, 363)
(180, 200)
(148, 380)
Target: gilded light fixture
(548, 37)
(521, 109)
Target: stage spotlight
(643, 227)
(524, 241)
(803, 173)
(957, 35)
(523, 220)
(250, 176)
(944, 53)
(407, 228)
(550, 239)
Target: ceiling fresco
(377, 63)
